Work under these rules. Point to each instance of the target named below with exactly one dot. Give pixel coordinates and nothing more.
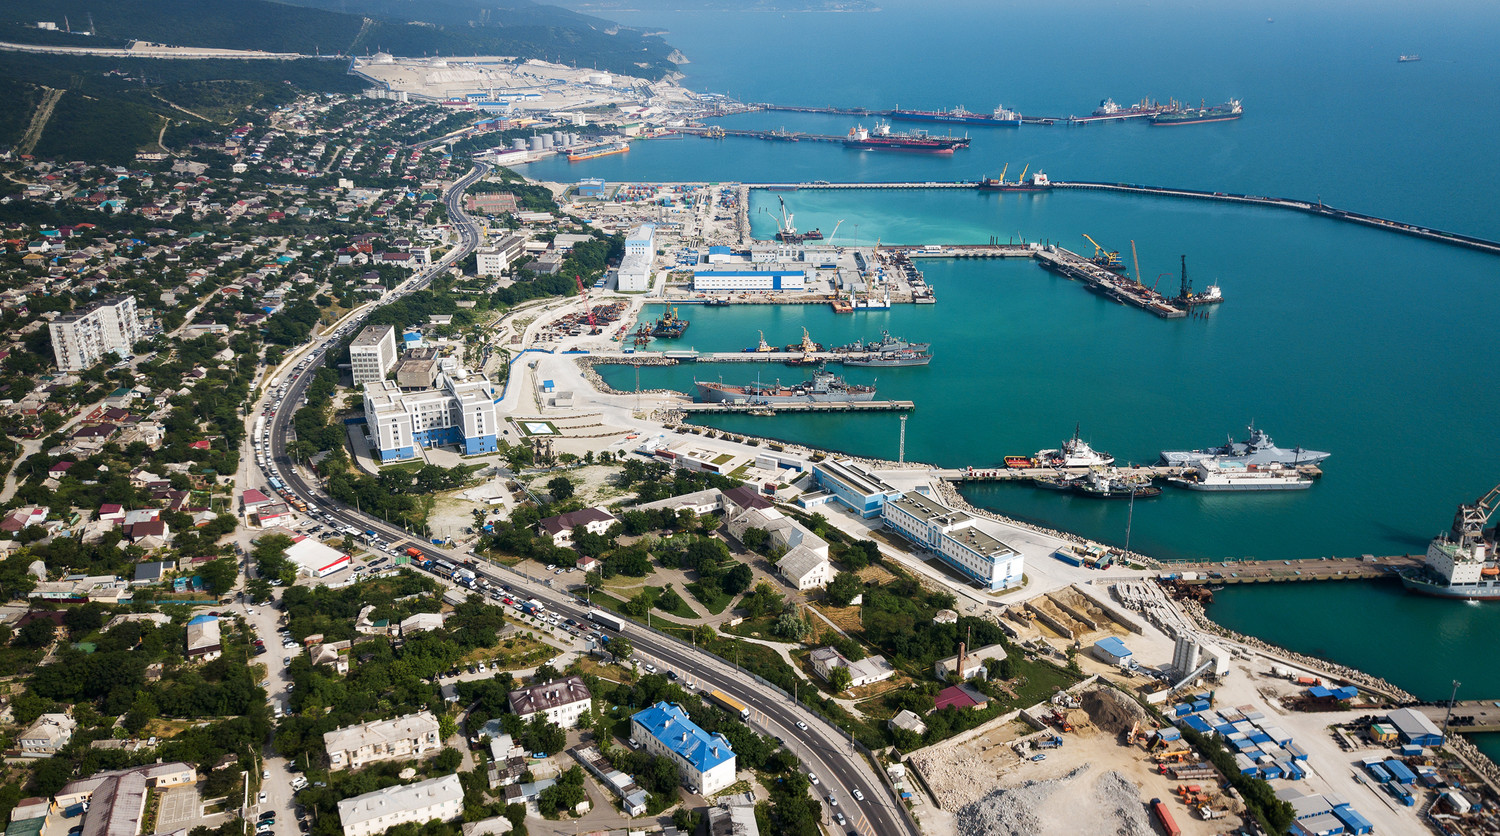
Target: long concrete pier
(1251, 570)
(771, 409)
(1308, 207)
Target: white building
(706, 762)
(640, 254)
(81, 339)
(496, 259)
(560, 528)
(313, 558)
(954, 538)
(804, 568)
(460, 410)
(372, 355)
(561, 701)
(419, 803)
(412, 736)
(47, 735)
(749, 281)
(866, 671)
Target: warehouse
(1415, 728)
(749, 281)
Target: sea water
(1373, 346)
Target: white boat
(1075, 452)
(1215, 475)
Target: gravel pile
(1113, 711)
(1112, 805)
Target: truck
(413, 551)
(609, 620)
(730, 704)
(528, 607)
(1163, 815)
(465, 577)
(1052, 742)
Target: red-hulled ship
(880, 138)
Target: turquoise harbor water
(1373, 346)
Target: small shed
(1112, 651)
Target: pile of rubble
(1112, 805)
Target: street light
(1449, 713)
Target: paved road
(825, 749)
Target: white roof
(381, 732)
(800, 562)
(312, 556)
(399, 799)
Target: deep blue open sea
(1374, 346)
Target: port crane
(835, 232)
(1137, 259)
(588, 309)
(1470, 519)
(1108, 259)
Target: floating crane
(1108, 259)
(1470, 519)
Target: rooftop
(381, 732)
(399, 799)
(668, 723)
(553, 694)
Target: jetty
(752, 408)
(1251, 570)
(1022, 474)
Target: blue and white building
(634, 275)
(705, 761)
(854, 486)
(952, 536)
(459, 410)
(749, 281)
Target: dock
(1021, 474)
(1468, 716)
(1251, 570)
(777, 409)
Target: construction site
(1088, 758)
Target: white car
(801, 725)
(262, 799)
(812, 779)
(858, 796)
(650, 668)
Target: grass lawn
(757, 628)
(512, 653)
(713, 603)
(1040, 680)
(683, 610)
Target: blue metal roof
(668, 723)
(1113, 646)
(203, 618)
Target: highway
(825, 749)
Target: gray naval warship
(1257, 449)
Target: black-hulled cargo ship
(882, 139)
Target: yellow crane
(1103, 257)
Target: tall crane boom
(588, 309)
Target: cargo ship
(669, 325)
(1217, 475)
(1001, 117)
(1038, 182)
(1225, 112)
(825, 387)
(1461, 564)
(598, 151)
(1075, 452)
(880, 138)
(1407, 59)
(1257, 449)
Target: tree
(542, 735)
(840, 678)
(790, 625)
(448, 760)
(36, 634)
(621, 648)
(220, 575)
(842, 589)
(50, 775)
(738, 579)
(756, 539)
(663, 773)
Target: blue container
(1379, 774)
(1400, 773)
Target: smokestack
(962, 654)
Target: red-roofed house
(252, 499)
(110, 512)
(960, 697)
(201, 444)
(59, 469)
(22, 517)
(560, 528)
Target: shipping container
(1378, 773)
(730, 704)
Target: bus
(730, 704)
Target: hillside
(349, 27)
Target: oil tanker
(598, 151)
(1002, 117)
(1225, 112)
(882, 139)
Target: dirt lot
(1101, 781)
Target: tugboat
(806, 346)
(1075, 452)
(1108, 483)
(669, 325)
